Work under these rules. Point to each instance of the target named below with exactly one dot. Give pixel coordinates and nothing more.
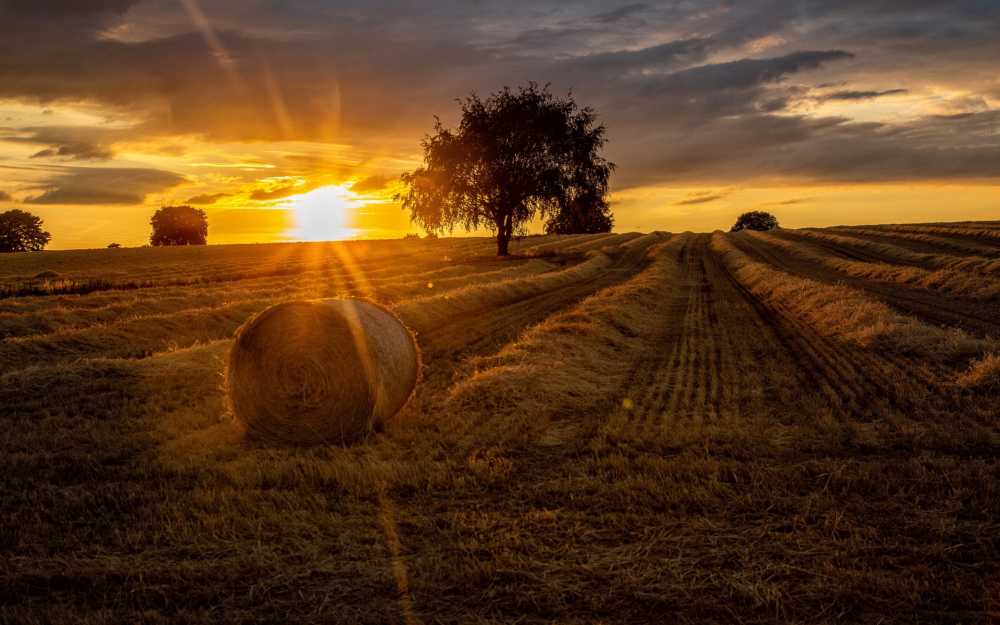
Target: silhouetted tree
(114, 245)
(179, 225)
(513, 156)
(20, 231)
(587, 214)
(755, 220)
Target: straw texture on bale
(328, 371)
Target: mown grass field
(798, 427)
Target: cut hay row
(561, 366)
(453, 260)
(335, 270)
(960, 246)
(551, 243)
(948, 281)
(27, 316)
(51, 282)
(850, 314)
(425, 313)
(989, 234)
(596, 242)
(135, 338)
(140, 263)
(138, 337)
(895, 253)
(646, 239)
(391, 287)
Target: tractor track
(724, 354)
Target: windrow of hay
(573, 361)
(143, 326)
(983, 374)
(646, 239)
(953, 282)
(959, 246)
(424, 313)
(978, 264)
(328, 371)
(953, 230)
(550, 244)
(837, 310)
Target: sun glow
(324, 214)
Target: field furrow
(920, 243)
(976, 317)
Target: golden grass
(129, 497)
(837, 310)
(559, 368)
(425, 312)
(983, 374)
(895, 253)
(950, 281)
(961, 246)
(967, 230)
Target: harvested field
(795, 427)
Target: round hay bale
(328, 371)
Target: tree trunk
(503, 242)
(504, 231)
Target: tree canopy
(514, 156)
(179, 225)
(588, 214)
(20, 231)
(755, 220)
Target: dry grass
(559, 367)
(960, 282)
(957, 245)
(845, 312)
(425, 312)
(983, 374)
(897, 254)
(761, 471)
(960, 230)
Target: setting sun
(324, 214)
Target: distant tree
(755, 220)
(410, 236)
(179, 225)
(513, 156)
(114, 245)
(20, 231)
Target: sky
(293, 119)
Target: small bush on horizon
(755, 220)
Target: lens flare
(324, 214)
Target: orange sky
(294, 121)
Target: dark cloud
(207, 198)
(93, 185)
(76, 152)
(620, 13)
(703, 199)
(860, 95)
(798, 200)
(5, 197)
(699, 91)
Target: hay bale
(328, 371)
